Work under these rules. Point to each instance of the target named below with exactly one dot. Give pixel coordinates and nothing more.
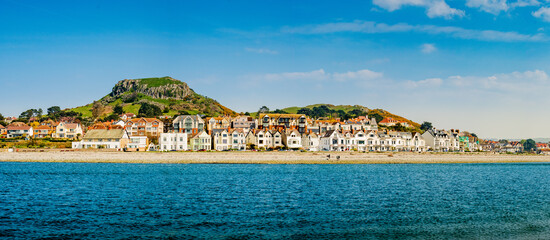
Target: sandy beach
(265, 157)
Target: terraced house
(214, 123)
(200, 141)
(68, 130)
(190, 124)
(103, 138)
(18, 129)
(238, 139)
(272, 121)
(144, 127)
(244, 123)
(43, 131)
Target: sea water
(188, 201)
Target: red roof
(11, 128)
(389, 120)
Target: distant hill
(349, 108)
(171, 95)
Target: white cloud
(434, 8)
(543, 13)
(524, 3)
(321, 75)
(497, 6)
(534, 82)
(428, 48)
(454, 32)
(441, 9)
(490, 6)
(430, 82)
(261, 51)
(313, 75)
(359, 75)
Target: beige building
(68, 130)
(103, 138)
(144, 127)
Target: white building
(292, 139)
(437, 140)
(137, 143)
(238, 139)
(173, 142)
(221, 140)
(311, 141)
(332, 141)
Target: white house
(373, 141)
(437, 140)
(292, 139)
(137, 143)
(332, 141)
(237, 139)
(220, 140)
(68, 130)
(200, 141)
(103, 138)
(360, 141)
(173, 142)
(21, 130)
(310, 141)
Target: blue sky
(477, 65)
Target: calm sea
(144, 201)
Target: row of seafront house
(47, 129)
(269, 131)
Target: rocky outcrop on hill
(175, 90)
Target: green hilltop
(172, 96)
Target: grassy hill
(172, 96)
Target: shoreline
(268, 157)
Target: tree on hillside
(342, 114)
(529, 145)
(31, 113)
(426, 126)
(357, 112)
(305, 111)
(263, 109)
(53, 110)
(1, 117)
(279, 111)
(97, 109)
(149, 110)
(118, 109)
